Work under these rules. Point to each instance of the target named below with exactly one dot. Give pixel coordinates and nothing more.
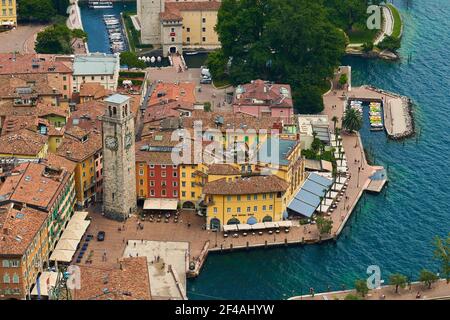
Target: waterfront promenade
(439, 291)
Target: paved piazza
(163, 259)
(20, 40)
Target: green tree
(324, 225)
(303, 52)
(130, 59)
(352, 297)
(361, 287)
(442, 252)
(217, 65)
(398, 280)
(428, 277)
(61, 6)
(390, 43)
(79, 33)
(352, 120)
(343, 79)
(335, 120)
(54, 39)
(36, 10)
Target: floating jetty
(397, 110)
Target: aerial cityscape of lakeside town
(141, 140)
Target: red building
(156, 175)
(164, 181)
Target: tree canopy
(281, 41)
(442, 252)
(361, 287)
(398, 280)
(39, 10)
(54, 39)
(130, 59)
(428, 277)
(352, 120)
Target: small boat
(100, 4)
(192, 53)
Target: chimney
(5, 231)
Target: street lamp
(359, 170)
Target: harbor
(381, 227)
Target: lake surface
(393, 230)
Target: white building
(310, 125)
(96, 67)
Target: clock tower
(119, 174)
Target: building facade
(175, 25)
(97, 68)
(8, 13)
(119, 167)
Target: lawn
(397, 21)
(362, 35)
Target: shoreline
(439, 291)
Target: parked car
(206, 80)
(101, 236)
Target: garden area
(134, 36)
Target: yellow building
(175, 25)
(246, 200)
(21, 261)
(85, 149)
(36, 204)
(23, 144)
(8, 13)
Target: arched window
(214, 224)
(126, 109)
(252, 221)
(233, 221)
(114, 110)
(6, 278)
(110, 111)
(267, 219)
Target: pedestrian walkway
(416, 291)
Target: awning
(71, 237)
(285, 224)
(67, 244)
(270, 225)
(258, 226)
(307, 199)
(160, 204)
(62, 255)
(230, 227)
(79, 216)
(46, 281)
(338, 186)
(244, 227)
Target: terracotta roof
(23, 142)
(94, 90)
(250, 185)
(261, 92)
(7, 108)
(18, 228)
(223, 169)
(161, 111)
(161, 140)
(48, 109)
(169, 92)
(59, 162)
(11, 63)
(128, 282)
(16, 123)
(80, 144)
(86, 115)
(193, 6)
(35, 184)
(230, 121)
(38, 84)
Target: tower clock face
(111, 143)
(128, 140)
